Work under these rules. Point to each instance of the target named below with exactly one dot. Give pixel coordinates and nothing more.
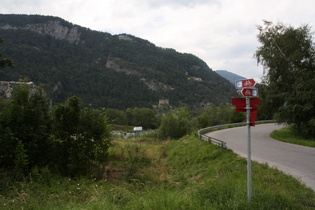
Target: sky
(223, 33)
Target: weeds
(183, 174)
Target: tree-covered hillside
(113, 71)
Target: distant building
(137, 131)
(138, 128)
(164, 102)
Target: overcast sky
(220, 32)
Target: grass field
(286, 135)
(148, 174)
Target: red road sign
(239, 101)
(249, 92)
(242, 101)
(245, 83)
(254, 101)
(240, 104)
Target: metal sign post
(249, 151)
(250, 93)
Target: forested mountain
(229, 75)
(112, 71)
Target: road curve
(298, 161)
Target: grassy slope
(147, 174)
(286, 135)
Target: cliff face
(52, 28)
(6, 88)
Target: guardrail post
(223, 145)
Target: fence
(221, 143)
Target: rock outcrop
(6, 88)
(53, 28)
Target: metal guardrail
(221, 143)
(214, 141)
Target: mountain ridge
(115, 71)
(231, 77)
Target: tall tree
(287, 55)
(26, 125)
(83, 137)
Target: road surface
(298, 161)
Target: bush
(173, 127)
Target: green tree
(175, 124)
(25, 129)
(4, 61)
(30, 122)
(96, 133)
(236, 117)
(287, 55)
(82, 137)
(265, 111)
(66, 118)
(218, 115)
(144, 117)
(116, 116)
(8, 145)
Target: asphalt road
(298, 161)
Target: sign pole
(247, 90)
(249, 167)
